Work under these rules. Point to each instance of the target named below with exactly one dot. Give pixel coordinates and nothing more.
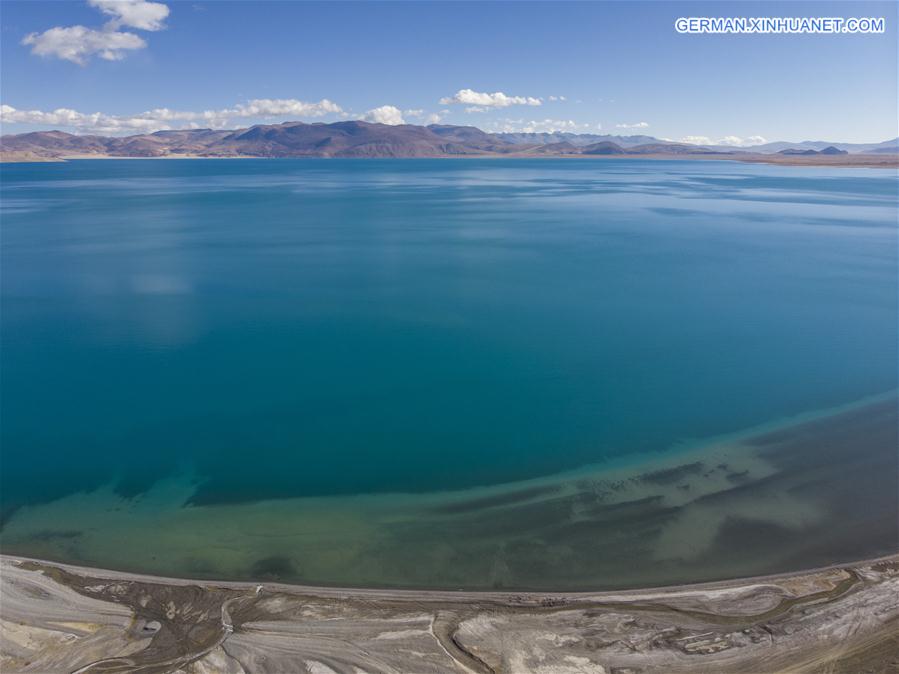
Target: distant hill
(889, 149)
(829, 150)
(344, 139)
(819, 145)
(471, 137)
(604, 147)
(339, 139)
(563, 147)
(576, 139)
(291, 139)
(679, 148)
(363, 139)
(795, 152)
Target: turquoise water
(284, 328)
(314, 327)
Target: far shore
(883, 161)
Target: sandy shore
(60, 618)
(889, 161)
(846, 160)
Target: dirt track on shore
(59, 618)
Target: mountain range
(363, 139)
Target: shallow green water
(297, 328)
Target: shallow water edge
(794, 494)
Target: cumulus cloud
(732, 141)
(386, 114)
(138, 14)
(556, 98)
(697, 140)
(161, 119)
(541, 126)
(68, 118)
(79, 43)
(637, 125)
(484, 100)
(428, 118)
(737, 141)
(281, 107)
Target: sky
(120, 67)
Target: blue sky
(620, 67)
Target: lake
(425, 372)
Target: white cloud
(732, 141)
(138, 14)
(736, 141)
(637, 125)
(427, 118)
(77, 43)
(98, 122)
(280, 107)
(485, 100)
(161, 119)
(386, 114)
(556, 98)
(540, 126)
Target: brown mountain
(291, 139)
(605, 147)
(342, 139)
(345, 139)
(674, 148)
(54, 143)
(471, 137)
(561, 148)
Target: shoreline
(416, 594)
(680, 512)
(884, 161)
(59, 618)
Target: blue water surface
(310, 327)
